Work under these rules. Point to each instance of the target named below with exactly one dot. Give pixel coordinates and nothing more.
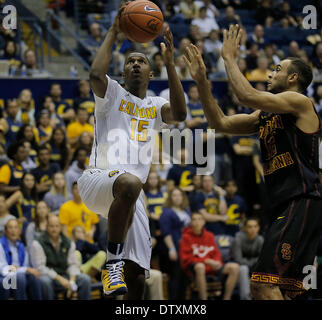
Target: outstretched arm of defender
(99, 68)
(177, 109)
(284, 102)
(236, 124)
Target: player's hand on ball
(194, 61)
(231, 42)
(167, 48)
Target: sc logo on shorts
(113, 173)
(286, 251)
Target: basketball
(141, 21)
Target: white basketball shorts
(96, 190)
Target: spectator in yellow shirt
(262, 72)
(75, 129)
(75, 213)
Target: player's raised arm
(289, 101)
(236, 124)
(177, 109)
(99, 68)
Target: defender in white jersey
(126, 122)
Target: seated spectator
(317, 99)
(47, 103)
(244, 169)
(208, 61)
(39, 223)
(155, 197)
(12, 123)
(60, 150)
(121, 48)
(158, 67)
(273, 59)
(212, 11)
(243, 67)
(14, 262)
(29, 163)
(213, 45)
(317, 59)
(75, 129)
(58, 193)
(44, 130)
(261, 73)
(90, 256)
(11, 173)
(29, 63)
(174, 218)
(44, 171)
(258, 37)
(85, 141)
(236, 208)
(26, 105)
(204, 23)
(74, 213)
(63, 109)
(23, 202)
(77, 167)
(53, 254)
(246, 248)
(26, 133)
(212, 205)
(284, 13)
(200, 256)
(184, 43)
(252, 56)
(180, 175)
(182, 69)
(5, 216)
(10, 53)
(293, 49)
(189, 9)
(230, 18)
(85, 100)
(94, 40)
(195, 34)
(264, 13)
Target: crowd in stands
(205, 228)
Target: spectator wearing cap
(14, 262)
(53, 254)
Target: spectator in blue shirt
(258, 37)
(45, 171)
(236, 208)
(230, 18)
(14, 263)
(175, 216)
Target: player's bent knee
(128, 187)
